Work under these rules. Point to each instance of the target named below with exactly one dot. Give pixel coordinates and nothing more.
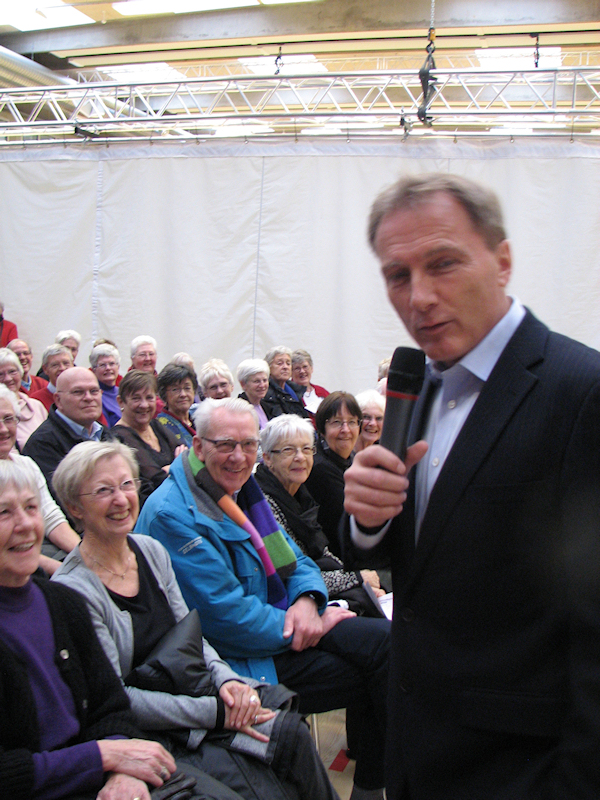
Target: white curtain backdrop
(224, 249)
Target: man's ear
(504, 258)
(197, 447)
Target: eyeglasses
(371, 418)
(102, 492)
(148, 354)
(339, 423)
(106, 365)
(9, 420)
(290, 452)
(249, 446)
(11, 371)
(180, 389)
(80, 393)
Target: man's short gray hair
(207, 408)
(55, 350)
(251, 366)
(139, 341)
(8, 357)
(277, 351)
(214, 368)
(80, 463)
(480, 203)
(104, 350)
(62, 336)
(10, 397)
(286, 426)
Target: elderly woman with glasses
(177, 386)
(288, 452)
(31, 412)
(134, 600)
(215, 379)
(372, 405)
(154, 446)
(59, 537)
(302, 370)
(337, 422)
(283, 396)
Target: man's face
(57, 364)
(78, 396)
(445, 283)
(229, 470)
(281, 368)
(106, 370)
(144, 358)
(23, 353)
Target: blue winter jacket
(220, 574)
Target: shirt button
(435, 462)
(452, 404)
(64, 654)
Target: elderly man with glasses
(261, 601)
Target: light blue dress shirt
(94, 436)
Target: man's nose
(422, 291)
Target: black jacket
(277, 402)
(100, 701)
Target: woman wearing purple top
(65, 724)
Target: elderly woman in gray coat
(134, 600)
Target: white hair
(285, 426)
(214, 368)
(8, 357)
(370, 396)
(251, 366)
(139, 341)
(6, 394)
(62, 336)
(104, 350)
(207, 408)
(277, 351)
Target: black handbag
(176, 665)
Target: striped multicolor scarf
(253, 514)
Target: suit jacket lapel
(502, 394)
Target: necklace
(116, 574)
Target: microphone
(404, 382)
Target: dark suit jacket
(495, 673)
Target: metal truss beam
(369, 104)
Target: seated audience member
(59, 537)
(154, 446)
(66, 721)
(337, 422)
(288, 446)
(129, 585)
(372, 405)
(177, 386)
(104, 340)
(77, 407)
(29, 383)
(215, 379)
(262, 602)
(143, 354)
(55, 359)
(31, 412)
(105, 361)
(283, 396)
(253, 377)
(302, 370)
(185, 360)
(71, 340)
(8, 329)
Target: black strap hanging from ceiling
(425, 76)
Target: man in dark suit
(494, 536)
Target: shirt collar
(481, 360)
(80, 430)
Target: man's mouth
(22, 548)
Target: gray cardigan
(153, 710)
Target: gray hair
(62, 336)
(55, 350)
(139, 341)
(183, 360)
(251, 366)
(20, 474)
(369, 396)
(205, 411)
(299, 356)
(8, 357)
(6, 394)
(383, 368)
(286, 426)
(277, 351)
(214, 368)
(104, 350)
(80, 463)
(480, 203)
